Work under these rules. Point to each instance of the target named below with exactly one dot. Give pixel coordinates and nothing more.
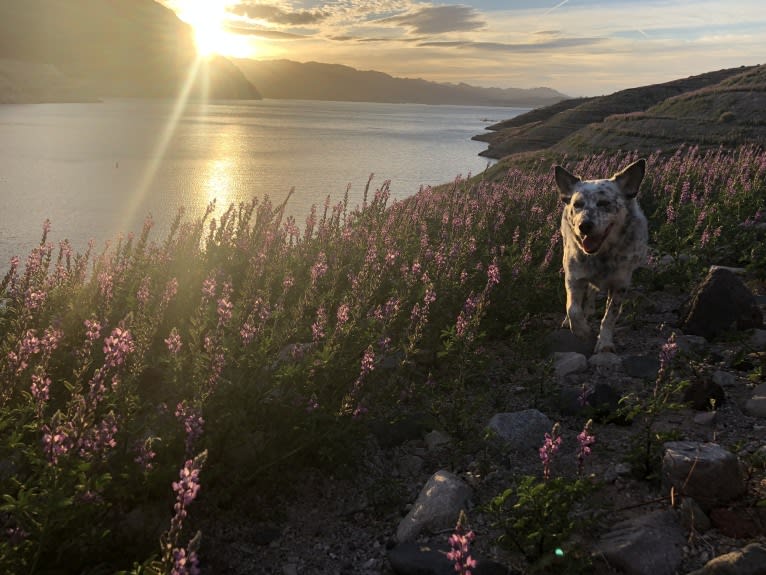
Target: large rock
(649, 545)
(521, 430)
(566, 362)
(748, 561)
(703, 394)
(722, 302)
(756, 405)
(437, 507)
(704, 471)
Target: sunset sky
(580, 47)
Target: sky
(579, 47)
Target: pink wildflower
(549, 448)
(584, 441)
(460, 542)
(173, 341)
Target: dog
(605, 237)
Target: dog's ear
(629, 179)
(565, 181)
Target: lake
(96, 170)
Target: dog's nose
(586, 227)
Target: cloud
(264, 33)
(277, 15)
(517, 47)
(439, 19)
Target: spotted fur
(605, 239)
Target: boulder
(704, 471)
(605, 362)
(722, 302)
(521, 430)
(437, 507)
(756, 405)
(748, 561)
(566, 362)
(704, 395)
(648, 545)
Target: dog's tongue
(591, 243)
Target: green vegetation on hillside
(726, 107)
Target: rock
(734, 523)
(604, 399)
(410, 465)
(706, 418)
(563, 340)
(437, 439)
(756, 405)
(722, 302)
(693, 518)
(642, 366)
(758, 340)
(605, 362)
(411, 558)
(600, 403)
(703, 394)
(437, 507)
(724, 378)
(735, 271)
(648, 545)
(393, 433)
(521, 430)
(748, 561)
(568, 362)
(704, 471)
(691, 344)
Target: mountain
(721, 108)
(285, 79)
(102, 48)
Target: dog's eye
(602, 203)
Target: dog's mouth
(592, 243)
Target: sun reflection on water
(219, 183)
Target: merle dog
(605, 240)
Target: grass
(131, 379)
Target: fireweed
(98, 349)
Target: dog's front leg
(576, 292)
(606, 333)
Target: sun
(208, 21)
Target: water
(97, 170)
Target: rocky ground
(347, 523)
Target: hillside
(724, 107)
(285, 79)
(86, 49)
